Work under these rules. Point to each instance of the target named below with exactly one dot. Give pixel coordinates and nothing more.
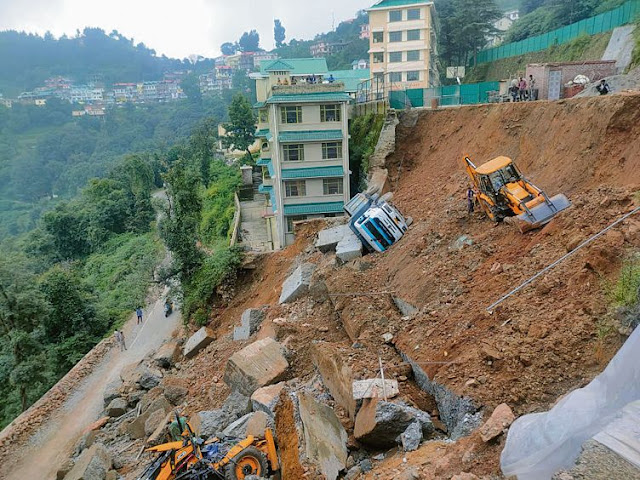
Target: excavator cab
(504, 192)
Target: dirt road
(53, 442)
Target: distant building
(259, 57)
(361, 64)
(303, 127)
(403, 43)
(125, 92)
(502, 25)
(321, 49)
(85, 94)
(5, 102)
(364, 31)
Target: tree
(249, 41)
(191, 88)
(278, 33)
(241, 128)
(228, 48)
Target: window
(413, 14)
(395, 57)
(413, 55)
(291, 114)
(293, 152)
(395, 77)
(331, 150)
(395, 36)
(413, 35)
(413, 76)
(378, 37)
(264, 116)
(295, 188)
(378, 57)
(330, 113)
(295, 218)
(395, 16)
(332, 186)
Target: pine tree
(278, 33)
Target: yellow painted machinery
(503, 192)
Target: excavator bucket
(542, 213)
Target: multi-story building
(85, 94)
(322, 48)
(302, 121)
(259, 57)
(364, 31)
(403, 43)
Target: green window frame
(294, 218)
(332, 150)
(395, 37)
(413, 14)
(291, 114)
(395, 16)
(413, 35)
(330, 113)
(413, 55)
(332, 186)
(395, 57)
(293, 152)
(295, 188)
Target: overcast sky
(179, 28)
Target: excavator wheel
(250, 461)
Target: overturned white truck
(376, 222)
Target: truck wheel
(249, 461)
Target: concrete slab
(336, 375)
(373, 388)
(198, 342)
(297, 285)
(265, 399)
(329, 238)
(349, 248)
(258, 364)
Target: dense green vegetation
(364, 131)
(28, 60)
(541, 16)
(582, 48)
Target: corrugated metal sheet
(313, 172)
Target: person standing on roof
(471, 195)
(139, 315)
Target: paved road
(52, 444)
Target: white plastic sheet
(540, 444)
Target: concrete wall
(595, 71)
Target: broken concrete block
(175, 394)
(241, 333)
(237, 404)
(112, 391)
(374, 388)
(265, 399)
(167, 354)
(297, 285)
(197, 342)
(158, 435)
(405, 307)
(256, 365)
(336, 374)
(325, 437)
(379, 423)
(252, 318)
(258, 423)
(153, 422)
(329, 238)
(93, 464)
(64, 469)
(117, 407)
(207, 423)
(136, 429)
(411, 437)
(500, 419)
(349, 248)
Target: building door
(555, 84)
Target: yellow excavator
(503, 192)
(190, 458)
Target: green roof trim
(263, 162)
(263, 133)
(262, 188)
(259, 105)
(310, 97)
(295, 66)
(313, 172)
(395, 3)
(310, 136)
(313, 208)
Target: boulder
(252, 317)
(329, 238)
(154, 421)
(411, 437)
(297, 284)
(112, 475)
(349, 248)
(500, 420)
(134, 397)
(198, 341)
(258, 364)
(175, 394)
(136, 429)
(158, 435)
(167, 354)
(112, 391)
(265, 399)
(373, 387)
(258, 423)
(379, 423)
(85, 442)
(92, 464)
(336, 374)
(212, 422)
(404, 307)
(149, 379)
(325, 437)
(237, 404)
(117, 407)
(64, 469)
(238, 428)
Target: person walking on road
(120, 339)
(139, 314)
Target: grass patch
(586, 47)
(365, 132)
(635, 56)
(624, 292)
